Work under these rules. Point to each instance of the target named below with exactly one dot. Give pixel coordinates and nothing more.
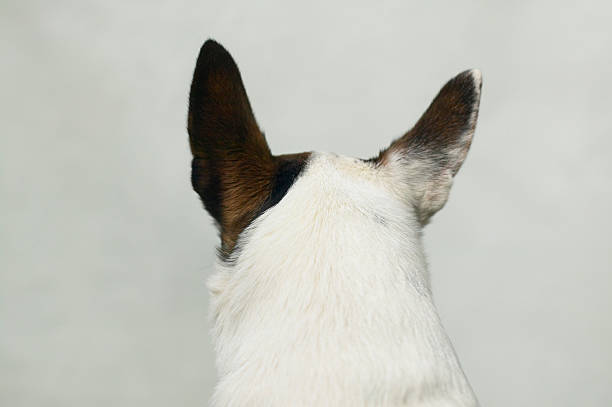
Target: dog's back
(321, 294)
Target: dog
(321, 294)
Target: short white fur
(337, 308)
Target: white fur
(328, 300)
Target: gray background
(104, 248)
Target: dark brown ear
(432, 152)
(233, 170)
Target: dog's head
(238, 178)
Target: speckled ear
(432, 152)
(233, 170)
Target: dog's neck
(322, 296)
(328, 296)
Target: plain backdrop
(105, 249)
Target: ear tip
(212, 47)
(467, 84)
(211, 43)
(213, 57)
(472, 76)
(476, 77)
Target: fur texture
(323, 297)
(233, 170)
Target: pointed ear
(231, 159)
(232, 169)
(220, 115)
(429, 155)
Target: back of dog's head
(239, 179)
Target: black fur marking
(287, 173)
(289, 169)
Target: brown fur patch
(451, 115)
(233, 170)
